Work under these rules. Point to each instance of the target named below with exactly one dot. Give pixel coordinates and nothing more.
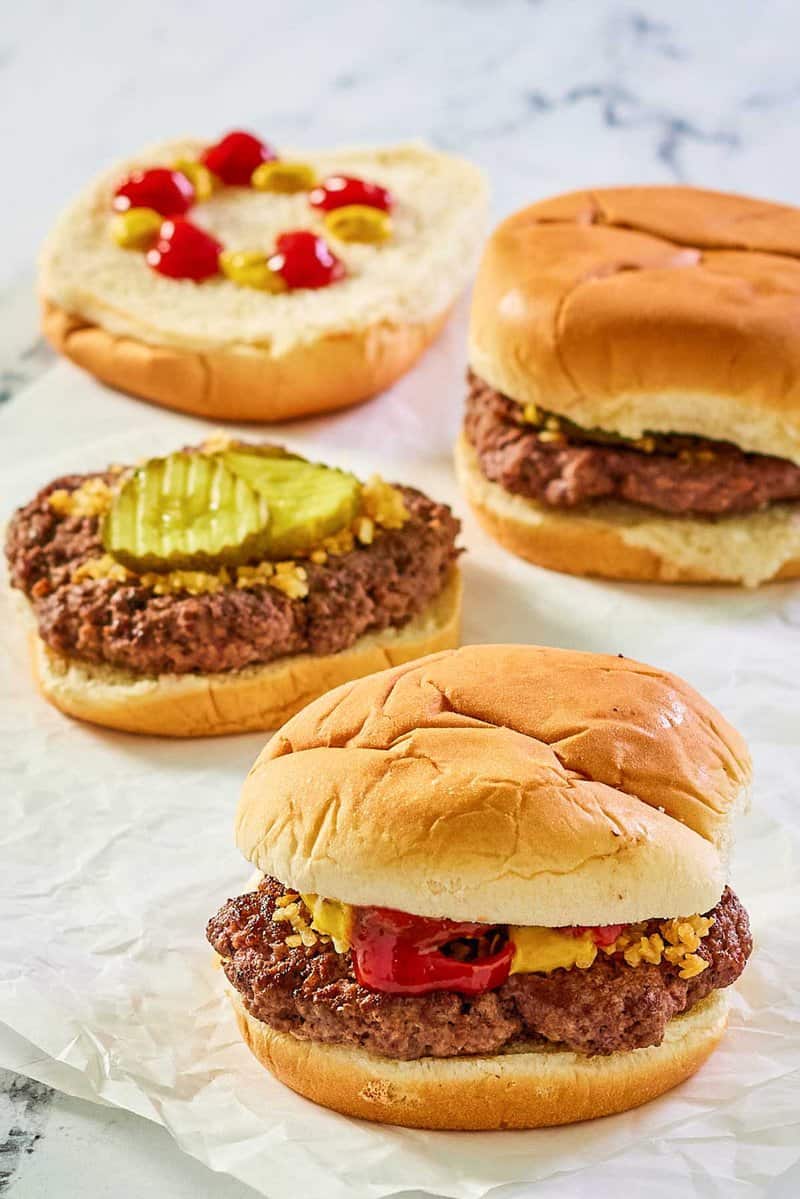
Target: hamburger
(634, 391)
(490, 892)
(236, 280)
(218, 589)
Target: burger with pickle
(491, 890)
(218, 589)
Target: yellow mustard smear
(331, 918)
(539, 950)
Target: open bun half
(228, 352)
(531, 1088)
(256, 699)
(502, 784)
(624, 541)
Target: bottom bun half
(248, 383)
(623, 541)
(256, 699)
(532, 1087)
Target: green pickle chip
(307, 502)
(186, 512)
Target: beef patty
(126, 624)
(312, 992)
(702, 478)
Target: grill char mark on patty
(312, 992)
(580, 472)
(371, 588)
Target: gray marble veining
(23, 1104)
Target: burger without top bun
(634, 395)
(491, 891)
(220, 588)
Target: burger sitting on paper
(491, 892)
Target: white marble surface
(543, 95)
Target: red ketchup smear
(167, 192)
(305, 260)
(235, 156)
(393, 951)
(338, 190)
(185, 251)
(603, 935)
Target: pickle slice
(307, 502)
(186, 512)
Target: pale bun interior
(531, 1087)
(411, 280)
(641, 309)
(509, 784)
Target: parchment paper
(115, 850)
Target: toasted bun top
(503, 784)
(437, 225)
(665, 309)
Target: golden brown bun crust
(516, 1090)
(752, 549)
(253, 700)
(503, 784)
(661, 308)
(323, 375)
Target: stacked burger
(634, 397)
(491, 890)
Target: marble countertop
(544, 94)
(56, 1147)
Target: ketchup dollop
(339, 190)
(184, 251)
(303, 259)
(167, 192)
(236, 155)
(396, 952)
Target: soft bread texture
(533, 1087)
(624, 541)
(639, 309)
(256, 699)
(505, 784)
(229, 352)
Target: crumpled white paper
(116, 850)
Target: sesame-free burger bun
(639, 309)
(616, 540)
(228, 352)
(502, 784)
(648, 309)
(255, 699)
(531, 1087)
